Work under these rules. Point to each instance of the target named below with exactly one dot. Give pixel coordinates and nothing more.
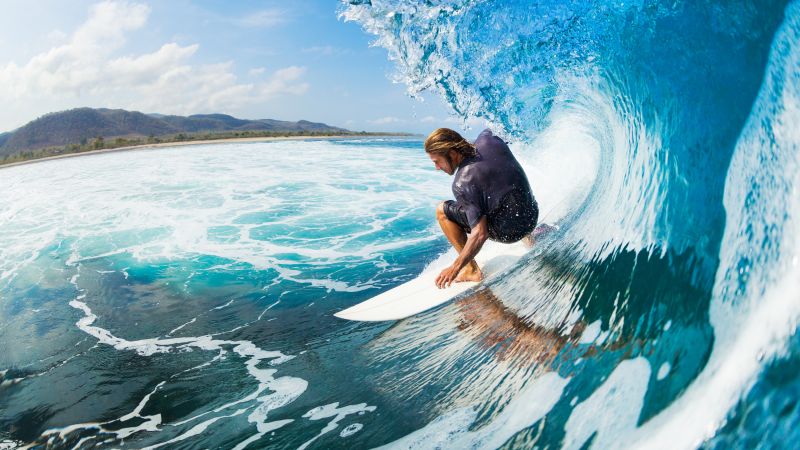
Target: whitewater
(184, 297)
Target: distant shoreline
(203, 142)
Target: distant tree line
(101, 143)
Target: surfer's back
(491, 174)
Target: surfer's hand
(446, 277)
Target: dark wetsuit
(493, 184)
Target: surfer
(493, 199)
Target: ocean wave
(666, 129)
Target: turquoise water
(185, 297)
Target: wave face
(662, 138)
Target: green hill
(82, 126)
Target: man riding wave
(493, 199)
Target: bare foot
(528, 241)
(469, 274)
(540, 231)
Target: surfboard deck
(421, 293)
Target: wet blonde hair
(443, 140)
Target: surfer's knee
(440, 215)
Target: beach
(199, 142)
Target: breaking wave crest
(662, 138)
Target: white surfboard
(421, 293)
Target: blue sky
(251, 59)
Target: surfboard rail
(421, 293)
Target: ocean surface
(184, 297)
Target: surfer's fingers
(448, 279)
(444, 279)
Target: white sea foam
(623, 393)
(351, 429)
(663, 371)
(181, 326)
(208, 201)
(284, 390)
(338, 414)
(197, 429)
(225, 305)
(150, 423)
(451, 430)
(590, 333)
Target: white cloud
(214, 88)
(264, 19)
(285, 80)
(147, 69)
(385, 120)
(76, 65)
(89, 70)
(108, 21)
(57, 36)
(429, 119)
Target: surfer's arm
(475, 241)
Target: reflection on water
(480, 353)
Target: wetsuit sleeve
(469, 200)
